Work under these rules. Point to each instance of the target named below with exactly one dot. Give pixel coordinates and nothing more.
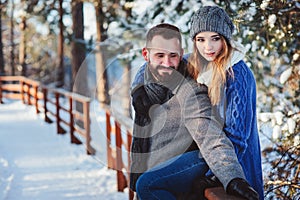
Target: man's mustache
(165, 67)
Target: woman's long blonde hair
(196, 65)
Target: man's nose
(167, 61)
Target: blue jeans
(171, 178)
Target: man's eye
(174, 55)
(159, 55)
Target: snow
(264, 4)
(37, 163)
(285, 75)
(271, 20)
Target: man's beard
(165, 76)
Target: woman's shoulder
(242, 77)
(240, 66)
(242, 70)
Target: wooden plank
(11, 87)
(12, 95)
(218, 193)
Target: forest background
(93, 47)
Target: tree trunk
(60, 49)
(127, 71)
(2, 64)
(22, 47)
(101, 73)
(12, 43)
(78, 47)
(79, 72)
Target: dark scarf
(160, 92)
(143, 98)
(154, 92)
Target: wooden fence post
(121, 179)
(36, 99)
(74, 139)
(129, 141)
(86, 124)
(45, 96)
(110, 160)
(59, 129)
(28, 94)
(22, 91)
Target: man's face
(164, 56)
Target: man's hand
(140, 101)
(240, 187)
(157, 93)
(146, 96)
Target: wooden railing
(118, 155)
(48, 101)
(118, 129)
(119, 138)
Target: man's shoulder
(191, 85)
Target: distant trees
(60, 70)
(2, 4)
(268, 29)
(25, 44)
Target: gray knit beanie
(212, 19)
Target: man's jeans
(171, 178)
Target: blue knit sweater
(240, 122)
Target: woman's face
(209, 45)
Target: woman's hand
(240, 187)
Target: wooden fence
(50, 102)
(118, 130)
(119, 138)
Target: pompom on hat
(212, 19)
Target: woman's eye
(199, 39)
(216, 38)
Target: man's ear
(145, 54)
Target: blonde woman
(217, 62)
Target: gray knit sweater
(187, 116)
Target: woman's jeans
(171, 178)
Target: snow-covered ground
(36, 163)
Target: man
(176, 139)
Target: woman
(217, 62)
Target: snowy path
(36, 163)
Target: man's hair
(167, 31)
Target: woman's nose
(208, 46)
